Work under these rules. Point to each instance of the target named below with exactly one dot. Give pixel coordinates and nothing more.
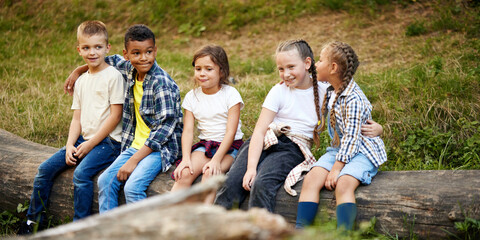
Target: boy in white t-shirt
(95, 130)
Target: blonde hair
(347, 61)
(90, 28)
(305, 51)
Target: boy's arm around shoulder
(72, 78)
(116, 61)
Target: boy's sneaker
(26, 229)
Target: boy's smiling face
(93, 50)
(142, 56)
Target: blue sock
(346, 214)
(306, 213)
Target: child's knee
(80, 175)
(346, 185)
(131, 189)
(102, 181)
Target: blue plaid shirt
(160, 109)
(353, 109)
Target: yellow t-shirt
(141, 130)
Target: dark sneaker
(26, 229)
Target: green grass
(432, 99)
(426, 96)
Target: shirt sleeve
(119, 63)
(116, 88)
(166, 117)
(234, 98)
(76, 95)
(271, 101)
(187, 101)
(350, 142)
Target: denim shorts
(202, 149)
(359, 167)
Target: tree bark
(426, 203)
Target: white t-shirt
(211, 111)
(295, 107)
(93, 94)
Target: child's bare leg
(346, 207)
(310, 195)
(198, 159)
(312, 184)
(225, 166)
(345, 189)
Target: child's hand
(70, 82)
(212, 168)
(69, 158)
(371, 129)
(125, 171)
(83, 149)
(332, 177)
(186, 163)
(331, 181)
(248, 179)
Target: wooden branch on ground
(426, 203)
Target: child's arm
(232, 125)
(107, 127)
(127, 168)
(116, 61)
(256, 146)
(350, 142)
(73, 134)
(372, 129)
(187, 139)
(72, 78)
(164, 122)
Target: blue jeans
(96, 160)
(136, 185)
(273, 167)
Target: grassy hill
(419, 62)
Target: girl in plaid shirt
(353, 158)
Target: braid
(305, 51)
(313, 71)
(347, 61)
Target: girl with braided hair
(283, 133)
(352, 158)
(279, 149)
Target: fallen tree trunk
(423, 202)
(160, 217)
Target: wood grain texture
(424, 202)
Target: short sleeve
(187, 101)
(234, 97)
(272, 100)
(76, 95)
(116, 88)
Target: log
(160, 217)
(426, 203)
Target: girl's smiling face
(293, 70)
(207, 75)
